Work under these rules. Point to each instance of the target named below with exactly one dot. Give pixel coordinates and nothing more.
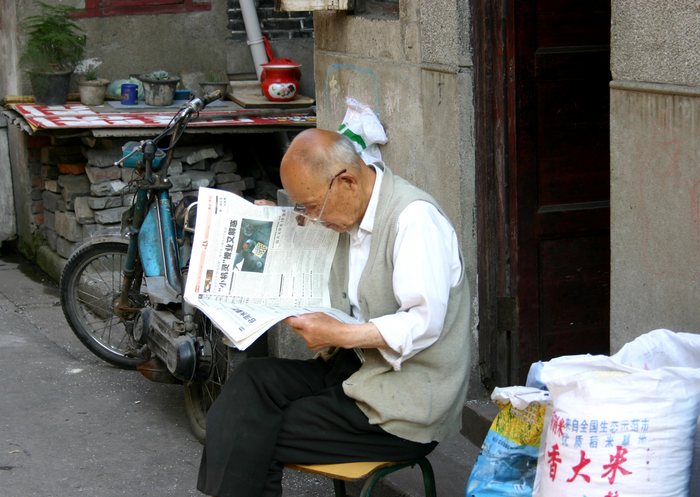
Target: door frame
(493, 126)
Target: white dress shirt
(426, 265)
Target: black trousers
(273, 411)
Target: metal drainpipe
(255, 39)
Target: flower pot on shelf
(92, 91)
(54, 44)
(50, 88)
(159, 88)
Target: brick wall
(274, 25)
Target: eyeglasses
(300, 209)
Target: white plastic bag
(622, 429)
(660, 349)
(362, 126)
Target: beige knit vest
(423, 401)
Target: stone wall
(191, 44)
(8, 227)
(77, 192)
(655, 209)
(654, 180)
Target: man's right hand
(319, 331)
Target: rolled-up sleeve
(426, 266)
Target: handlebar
(178, 122)
(197, 103)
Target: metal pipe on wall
(255, 38)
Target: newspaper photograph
(252, 265)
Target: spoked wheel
(90, 287)
(215, 362)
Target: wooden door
(550, 294)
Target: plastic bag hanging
(362, 126)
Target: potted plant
(92, 89)
(159, 87)
(215, 81)
(54, 44)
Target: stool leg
(378, 475)
(339, 488)
(369, 484)
(428, 477)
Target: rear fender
(105, 238)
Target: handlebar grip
(197, 104)
(210, 97)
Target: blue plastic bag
(507, 463)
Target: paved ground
(70, 425)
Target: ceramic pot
(92, 92)
(279, 80)
(159, 92)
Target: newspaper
(252, 266)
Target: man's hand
(320, 331)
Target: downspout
(255, 38)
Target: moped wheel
(216, 360)
(89, 288)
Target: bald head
(321, 153)
(318, 160)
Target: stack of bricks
(80, 194)
(35, 146)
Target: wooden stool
(372, 471)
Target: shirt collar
(367, 223)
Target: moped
(123, 296)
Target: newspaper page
(252, 266)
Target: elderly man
(389, 388)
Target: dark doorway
(542, 101)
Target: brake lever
(136, 149)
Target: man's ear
(348, 179)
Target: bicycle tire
(89, 286)
(221, 360)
